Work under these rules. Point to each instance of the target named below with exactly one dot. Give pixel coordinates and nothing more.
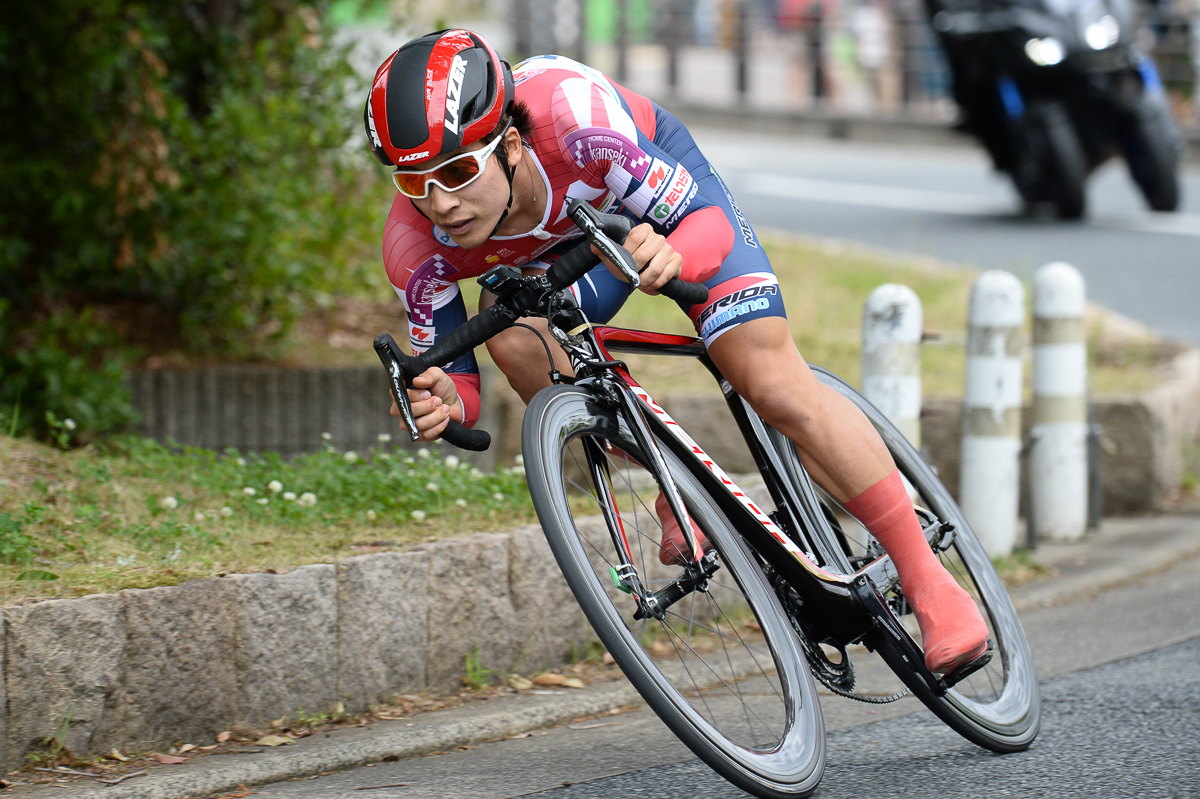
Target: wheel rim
(722, 668)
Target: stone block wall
(147, 668)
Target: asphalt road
(945, 202)
(1121, 689)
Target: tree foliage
(189, 171)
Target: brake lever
(389, 352)
(587, 219)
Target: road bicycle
(724, 640)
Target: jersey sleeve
(601, 141)
(424, 280)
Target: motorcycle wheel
(1151, 145)
(1051, 166)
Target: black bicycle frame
(843, 608)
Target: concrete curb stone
(63, 664)
(180, 642)
(383, 626)
(287, 632)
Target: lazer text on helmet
(458, 70)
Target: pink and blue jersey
(599, 142)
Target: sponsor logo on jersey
(458, 71)
(677, 198)
(602, 144)
(732, 306)
(443, 238)
(430, 287)
(420, 334)
(658, 173)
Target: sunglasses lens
(457, 173)
(412, 184)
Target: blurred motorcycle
(1054, 88)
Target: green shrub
(195, 168)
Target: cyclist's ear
(512, 146)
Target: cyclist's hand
(434, 402)
(656, 259)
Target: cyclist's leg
(841, 450)
(745, 328)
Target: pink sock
(953, 631)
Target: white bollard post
(1058, 455)
(989, 480)
(891, 356)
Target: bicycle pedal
(970, 667)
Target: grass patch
(136, 515)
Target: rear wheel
(997, 707)
(722, 666)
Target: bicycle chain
(820, 665)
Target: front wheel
(1050, 164)
(722, 666)
(1152, 147)
(997, 707)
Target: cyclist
(486, 159)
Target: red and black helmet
(437, 93)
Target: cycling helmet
(437, 93)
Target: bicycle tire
(998, 707)
(752, 714)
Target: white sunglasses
(452, 175)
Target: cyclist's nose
(440, 200)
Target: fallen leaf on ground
(115, 755)
(169, 760)
(549, 678)
(222, 737)
(186, 748)
(273, 740)
(518, 682)
(572, 682)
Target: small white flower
(418, 515)
(370, 515)
(126, 560)
(249, 491)
(199, 516)
(289, 495)
(170, 503)
(227, 511)
(308, 499)
(432, 487)
(240, 461)
(518, 460)
(409, 462)
(460, 502)
(498, 497)
(326, 437)
(174, 556)
(69, 424)
(476, 473)
(262, 500)
(351, 456)
(423, 453)
(275, 486)
(451, 461)
(385, 438)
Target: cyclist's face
(469, 214)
